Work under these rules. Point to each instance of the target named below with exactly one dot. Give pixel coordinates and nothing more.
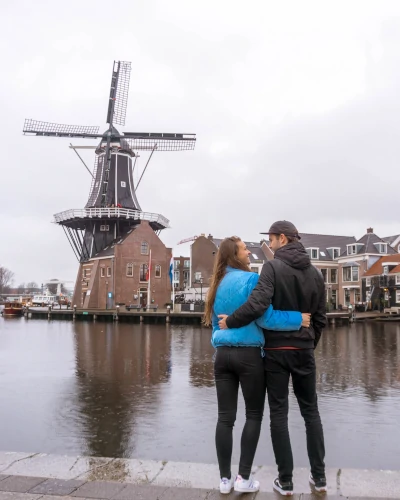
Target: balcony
(76, 215)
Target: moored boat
(13, 309)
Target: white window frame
(398, 296)
(333, 252)
(157, 268)
(177, 276)
(351, 249)
(102, 272)
(140, 272)
(186, 264)
(367, 281)
(311, 253)
(108, 272)
(177, 264)
(141, 248)
(129, 266)
(351, 274)
(385, 270)
(330, 275)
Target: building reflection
(201, 359)
(117, 370)
(363, 357)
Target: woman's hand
(306, 318)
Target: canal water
(147, 391)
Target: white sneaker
(246, 485)
(226, 485)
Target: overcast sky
(295, 105)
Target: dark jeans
(300, 364)
(234, 366)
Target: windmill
(112, 209)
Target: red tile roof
(377, 268)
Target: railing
(111, 213)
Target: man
(289, 282)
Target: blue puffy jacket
(233, 291)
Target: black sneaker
(285, 489)
(319, 484)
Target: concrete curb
(100, 474)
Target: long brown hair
(226, 256)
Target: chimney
(210, 237)
(370, 230)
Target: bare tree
(21, 288)
(6, 278)
(32, 285)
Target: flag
(171, 269)
(148, 268)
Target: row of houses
(364, 273)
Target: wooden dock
(164, 316)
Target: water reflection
(115, 368)
(144, 391)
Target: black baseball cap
(284, 227)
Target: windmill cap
(284, 227)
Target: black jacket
(290, 283)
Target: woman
(239, 359)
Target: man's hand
(222, 322)
(306, 318)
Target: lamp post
(201, 290)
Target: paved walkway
(25, 476)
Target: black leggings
(234, 366)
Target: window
(177, 263)
(314, 253)
(254, 269)
(143, 273)
(157, 271)
(397, 279)
(381, 247)
(368, 282)
(385, 270)
(176, 284)
(186, 263)
(176, 275)
(347, 274)
(334, 299)
(129, 269)
(108, 272)
(102, 272)
(333, 276)
(351, 249)
(197, 276)
(85, 273)
(398, 296)
(357, 295)
(350, 273)
(144, 248)
(324, 273)
(186, 275)
(347, 296)
(335, 253)
(104, 228)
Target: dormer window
(351, 249)
(381, 247)
(385, 270)
(314, 253)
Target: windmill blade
(48, 129)
(160, 141)
(119, 91)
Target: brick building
(181, 278)
(119, 273)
